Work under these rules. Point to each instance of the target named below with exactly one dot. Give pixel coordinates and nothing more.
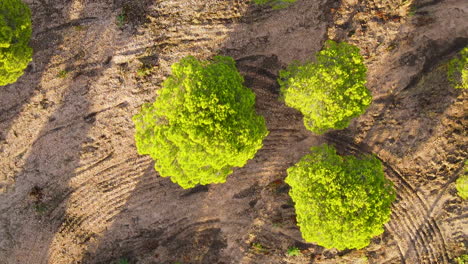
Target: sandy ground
(74, 190)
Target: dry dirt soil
(74, 190)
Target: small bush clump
(202, 124)
(294, 251)
(340, 201)
(329, 92)
(457, 72)
(462, 183)
(15, 33)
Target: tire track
(93, 205)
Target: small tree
(329, 92)
(202, 124)
(341, 201)
(15, 32)
(457, 72)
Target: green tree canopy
(341, 201)
(202, 124)
(15, 33)
(329, 92)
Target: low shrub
(202, 124)
(340, 201)
(462, 183)
(294, 252)
(463, 259)
(15, 33)
(457, 72)
(329, 92)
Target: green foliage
(341, 201)
(15, 32)
(463, 259)
(40, 207)
(457, 72)
(462, 183)
(329, 92)
(294, 251)
(202, 124)
(259, 248)
(275, 4)
(62, 74)
(123, 261)
(121, 19)
(144, 70)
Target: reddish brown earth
(74, 190)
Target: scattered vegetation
(462, 183)
(202, 124)
(62, 74)
(15, 32)
(463, 259)
(412, 11)
(340, 201)
(259, 248)
(294, 251)
(121, 19)
(275, 4)
(329, 92)
(40, 207)
(123, 261)
(457, 72)
(144, 70)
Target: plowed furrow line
(426, 225)
(92, 201)
(82, 179)
(190, 31)
(144, 192)
(88, 190)
(402, 229)
(419, 207)
(202, 42)
(134, 47)
(267, 172)
(441, 239)
(282, 140)
(255, 71)
(457, 218)
(459, 236)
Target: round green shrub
(462, 183)
(15, 33)
(457, 72)
(340, 201)
(202, 124)
(329, 92)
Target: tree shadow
(15, 97)
(61, 137)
